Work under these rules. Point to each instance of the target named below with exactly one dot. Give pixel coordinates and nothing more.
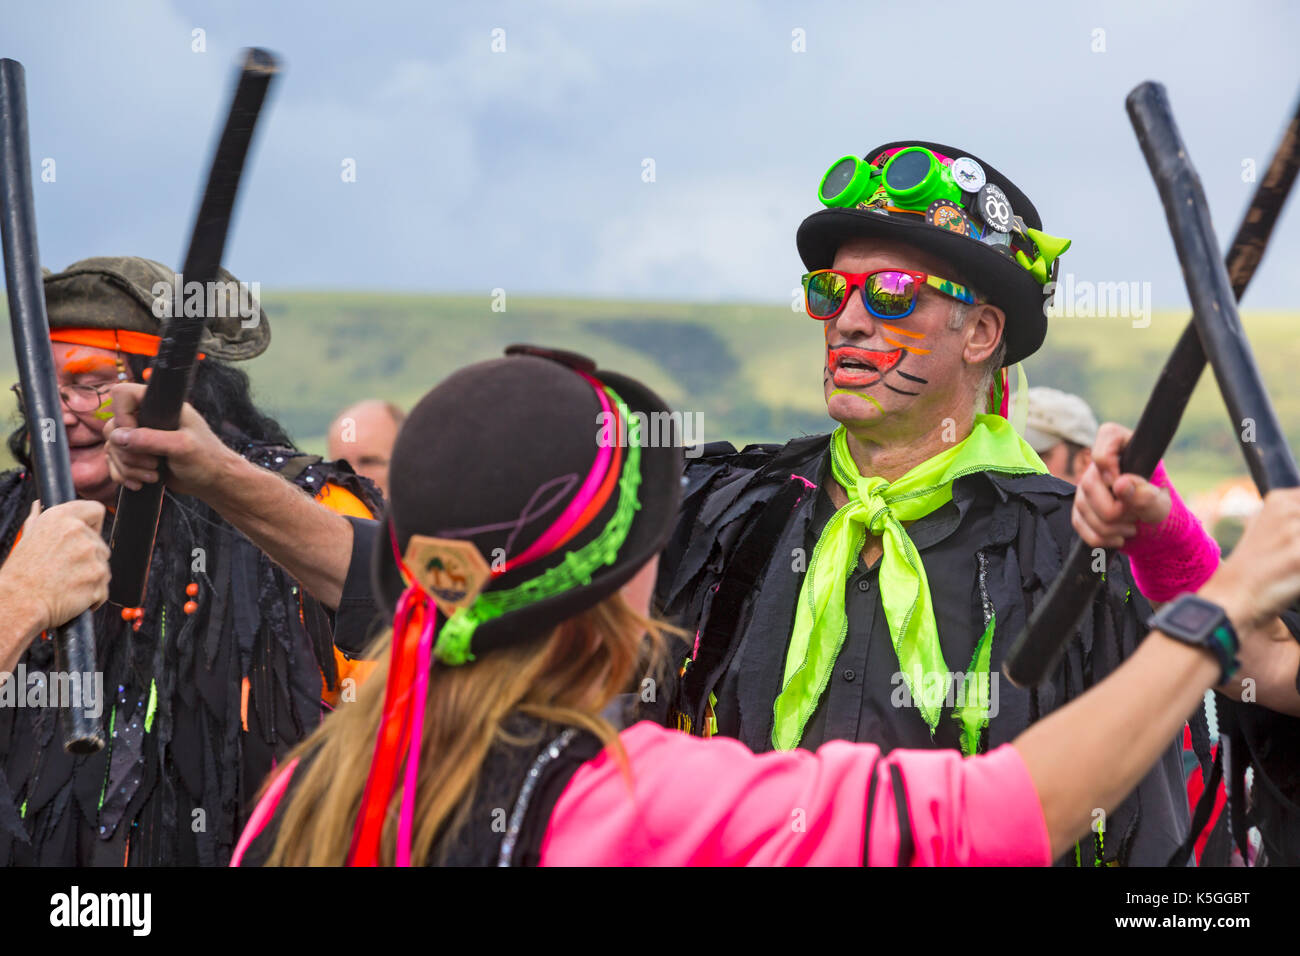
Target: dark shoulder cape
(197, 707)
(719, 578)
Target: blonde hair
(567, 677)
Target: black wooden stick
(74, 642)
(1038, 648)
(135, 523)
(1214, 307)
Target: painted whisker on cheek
(899, 390)
(906, 348)
(903, 332)
(914, 378)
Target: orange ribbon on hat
(114, 340)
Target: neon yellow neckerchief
(820, 622)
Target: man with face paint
(227, 664)
(866, 585)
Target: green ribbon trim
(973, 711)
(103, 789)
(152, 707)
(453, 645)
(882, 507)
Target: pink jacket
(697, 802)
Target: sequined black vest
(506, 819)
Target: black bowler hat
(991, 269)
(492, 460)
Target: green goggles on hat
(912, 178)
(951, 194)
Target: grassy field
(753, 372)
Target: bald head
(363, 435)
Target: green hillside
(753, 372)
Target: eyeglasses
(78, 398)
(887, 293)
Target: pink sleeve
(714, 803)
(1174, 556)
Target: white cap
(1056, 416)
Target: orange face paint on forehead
(89, 363)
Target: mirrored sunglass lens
(825, 294)
(891, 293)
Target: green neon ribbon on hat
(453, 645)
(881, 507)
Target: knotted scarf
(881, 507)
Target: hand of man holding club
(308, 540)
(58, 568)
(1172, 553)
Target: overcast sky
(523, 169)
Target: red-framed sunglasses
(886, 293)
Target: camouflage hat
(130, 293)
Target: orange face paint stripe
(907, 348)
(898, 331)
(89, 363)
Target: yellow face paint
(865, 398)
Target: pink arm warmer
(1174, 556)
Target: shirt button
(864, 585)
(850, 674)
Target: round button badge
(994, 207)
(968, 174)
(948, 215)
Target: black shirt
(860, 701)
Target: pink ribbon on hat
(890, 152)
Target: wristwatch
(1200, 623)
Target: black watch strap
(1201, 623)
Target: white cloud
(721, 238)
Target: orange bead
(148, 373)
(192, 589)
(191, 607)
(136, 625)
(128, 613)
(137, 613)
